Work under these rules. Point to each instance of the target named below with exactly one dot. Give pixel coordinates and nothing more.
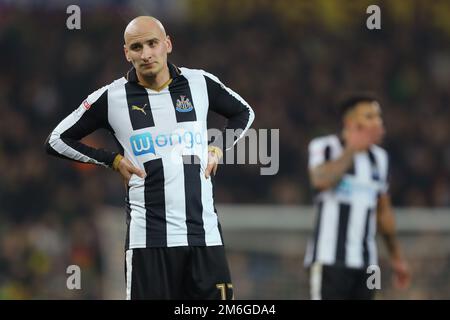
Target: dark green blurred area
(291, 60)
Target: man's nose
(378, 121)
(146, 53)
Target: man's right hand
(126, 169)
(358, 139)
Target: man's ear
(125, 51)
(350, 123)
(169, 44)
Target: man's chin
(147, 72)
(378, 139)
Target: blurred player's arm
(326, 173)
(92, 114)
(386, 227)
(234, 108)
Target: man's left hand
(214, 155)
(402, 274)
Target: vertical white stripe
(163, 110)
(315, 283)
(165, 121)
(129, 264)
(210, 219)
(372, 245)
(199, 92)
(137, 204)
(175, 202)
(118, 115)
(382, 161)
(328, 232)
(316, 151)
(355, 235)
(363, 167)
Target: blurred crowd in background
(292, 61)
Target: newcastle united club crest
(183, 104)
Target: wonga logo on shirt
(143, 143)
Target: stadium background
(291, 60)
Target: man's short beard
(151, 75)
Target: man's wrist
(117, 159)
(216, 150)
(350, 150)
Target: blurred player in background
(349, 172)
(157, 113)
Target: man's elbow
(320, 184)
(251, 116)
(49, 142)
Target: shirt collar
(174, 72)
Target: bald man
(157, 114)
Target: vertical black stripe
(213, 183)
(327, 157)
(137, 281)
(344, 213)
(193, 200)
(139, 106)
(119, 146)
(327, 153)
(155, 204)
(351, 170)
(182, 99)
(316, 230)
(220, 230)
(366, 238)
(375, 172)
(128, 219)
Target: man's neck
(156, 82)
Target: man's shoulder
(189, 72)
(325, 140)
(94, 96)
(379, 150)
(117, 83)
(112, 85)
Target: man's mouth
(148, 65)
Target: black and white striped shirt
(345, 226)
(164, 133)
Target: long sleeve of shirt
(232, 106)
(64, 140)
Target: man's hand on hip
(214, 156)
(127, 169)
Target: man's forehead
(368, 106)
(141, 37)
